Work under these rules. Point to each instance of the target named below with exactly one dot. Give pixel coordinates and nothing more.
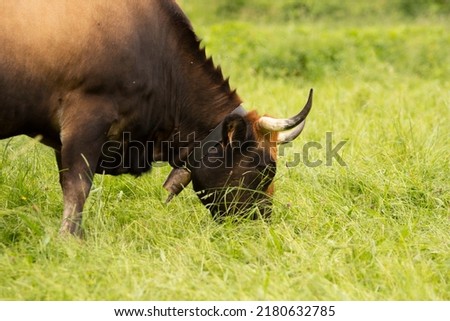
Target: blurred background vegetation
(333, 10)
(311, 40)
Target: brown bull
(113, 86)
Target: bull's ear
(234, 130)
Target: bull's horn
(290, 135)
(177, 180)
(277, 125)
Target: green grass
(377, 229)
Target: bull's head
(236, 174)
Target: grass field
(376, 229)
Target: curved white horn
(277, 125)
(290, 135)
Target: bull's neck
(198, 102)
(204, 103)
(196, 97)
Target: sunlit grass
(376, 229)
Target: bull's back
(65, 38)
(52, 47)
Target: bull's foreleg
(76, 180)
(82, 138)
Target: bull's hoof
(72, 230)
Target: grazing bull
(113, 86)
